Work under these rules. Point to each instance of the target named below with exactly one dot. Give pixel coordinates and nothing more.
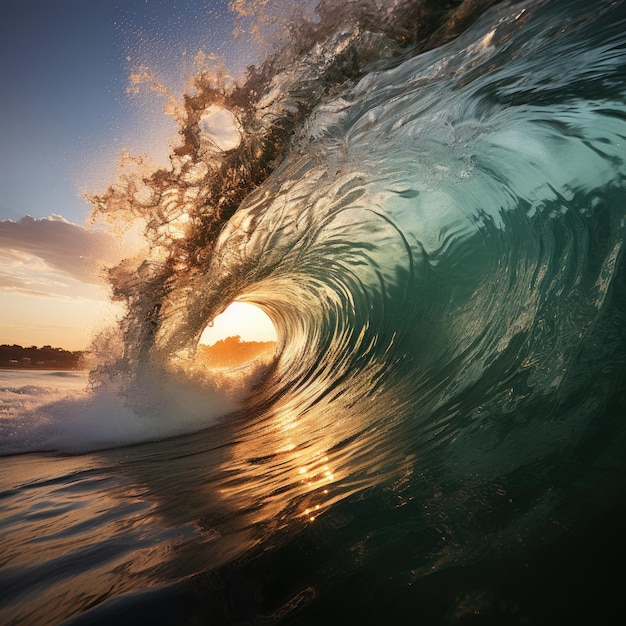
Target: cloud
(19, 285)
(33, 277)
(67, 248)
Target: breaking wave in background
(432, 214)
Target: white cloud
(66, 248)
(51, 291)
(18, 284)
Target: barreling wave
(436, 235)
(434, 221)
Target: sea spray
(183, 208)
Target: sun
(241, 319)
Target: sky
(65, 116)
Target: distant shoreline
(38, 368)
(16, 357)
(228, 352)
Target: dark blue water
(437, 235)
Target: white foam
(43, 417)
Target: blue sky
(65, 116)
(64, 67)
(62, 82)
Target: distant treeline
(39, 358)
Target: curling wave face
(437, 236)
(438, 251)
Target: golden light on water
(285, 455)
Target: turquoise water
(437, 238)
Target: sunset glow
(240, 319)
(83, 65)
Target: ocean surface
(429, 202)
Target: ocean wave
(434, 222)
(436, 235)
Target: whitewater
(429, 202)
